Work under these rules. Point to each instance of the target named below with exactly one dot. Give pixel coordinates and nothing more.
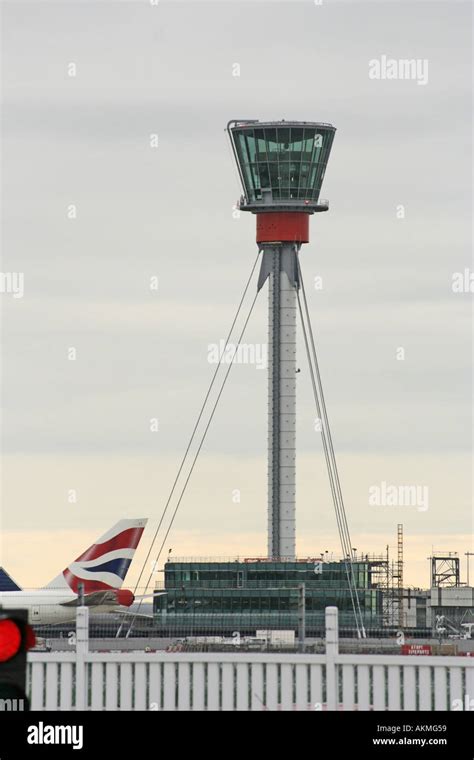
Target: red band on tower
(283, 227)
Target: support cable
(203, 437)
(331, 463)
(201, 412)
(330, 471)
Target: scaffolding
(384, 572)
(445, 570)
(400, 574)
(387, 575)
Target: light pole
(467, 555)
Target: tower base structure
(279, 236)
(280, 266)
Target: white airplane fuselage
(45, 606)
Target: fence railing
(84, 680)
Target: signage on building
(420, 649)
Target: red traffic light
(30, 637)
(10, 640)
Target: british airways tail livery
(105, 564)
(101, 569)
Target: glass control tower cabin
(282, 165)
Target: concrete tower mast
(281, 166)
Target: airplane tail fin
(105, 564)
(7, 583)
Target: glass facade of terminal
(218, 598)
(288, 160)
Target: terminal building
(218, 598)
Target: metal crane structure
(445, 570)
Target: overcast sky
(167, 212)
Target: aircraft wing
(93, 599)
(137, 615)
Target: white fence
(178, 681)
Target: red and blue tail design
(104, 565)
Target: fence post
(332, 650)
(82, 649)
(301, 617)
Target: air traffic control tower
(281, 166)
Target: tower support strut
(280, 266)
